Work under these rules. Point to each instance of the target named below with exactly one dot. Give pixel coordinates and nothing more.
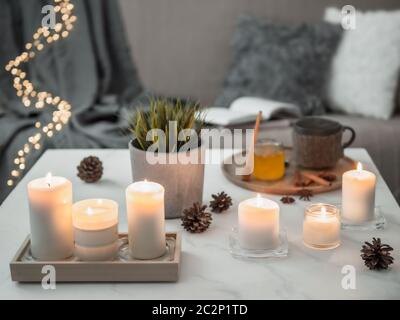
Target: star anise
(328, 176)
(287, 200)
(305, 194)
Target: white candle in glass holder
(146, 220)
(50, 204)
(321, 226)
(95, 229)
(258, 223)
(358, 195)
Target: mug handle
(352, 138)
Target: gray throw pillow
(284, 63)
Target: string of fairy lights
(40, 99)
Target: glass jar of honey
(269, 160)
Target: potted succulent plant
(166, 148)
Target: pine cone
(221, 202)
(376, 256)
(90, 169)
(195, 219)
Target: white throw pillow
(365, 68)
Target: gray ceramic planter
(183, 183)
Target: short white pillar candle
(50, 203)
(146, 220)
(258, 224)
(321, 226)
(95, 229)
(358, 195)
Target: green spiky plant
(188, 115)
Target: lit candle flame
(259, 200)
(359, 167)
(48, 179)
(324, 215)
(89, 211)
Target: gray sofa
(182, 48)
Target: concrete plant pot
(183, 183)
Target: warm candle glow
(50, 201)
(48, 179)
(324, 215)
(95, 224)
(321, 226)
(259, 200)
(89, 211)
(145, 210)
(358, 195)
(258, 223)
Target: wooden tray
(165, 269)
(285, 186)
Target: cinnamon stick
(316, 179)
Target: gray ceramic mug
(317, 142)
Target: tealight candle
(321, 226)
(358, 195)
(145, 208)
(95, 229)
(258, 224)
(50, 203)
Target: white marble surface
(208, 270)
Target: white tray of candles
(121, 268)
(80, 242)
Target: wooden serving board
(285, 186)
(164, 269)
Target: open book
(245, 109)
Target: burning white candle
(321, 226)
(50, 202)
(145, 205)
(258, 223)
(358, 195)
(95, 229)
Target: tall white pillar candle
(258, 223)
(50, 202)
(95, 229)
(146, 220)
(358, 195)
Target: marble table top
(208, 270)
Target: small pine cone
(195, 219)
(376, 255)
(221, 202)
(90, 169)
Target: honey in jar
(269, 161)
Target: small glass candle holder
(269, 160)
(321, 226)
